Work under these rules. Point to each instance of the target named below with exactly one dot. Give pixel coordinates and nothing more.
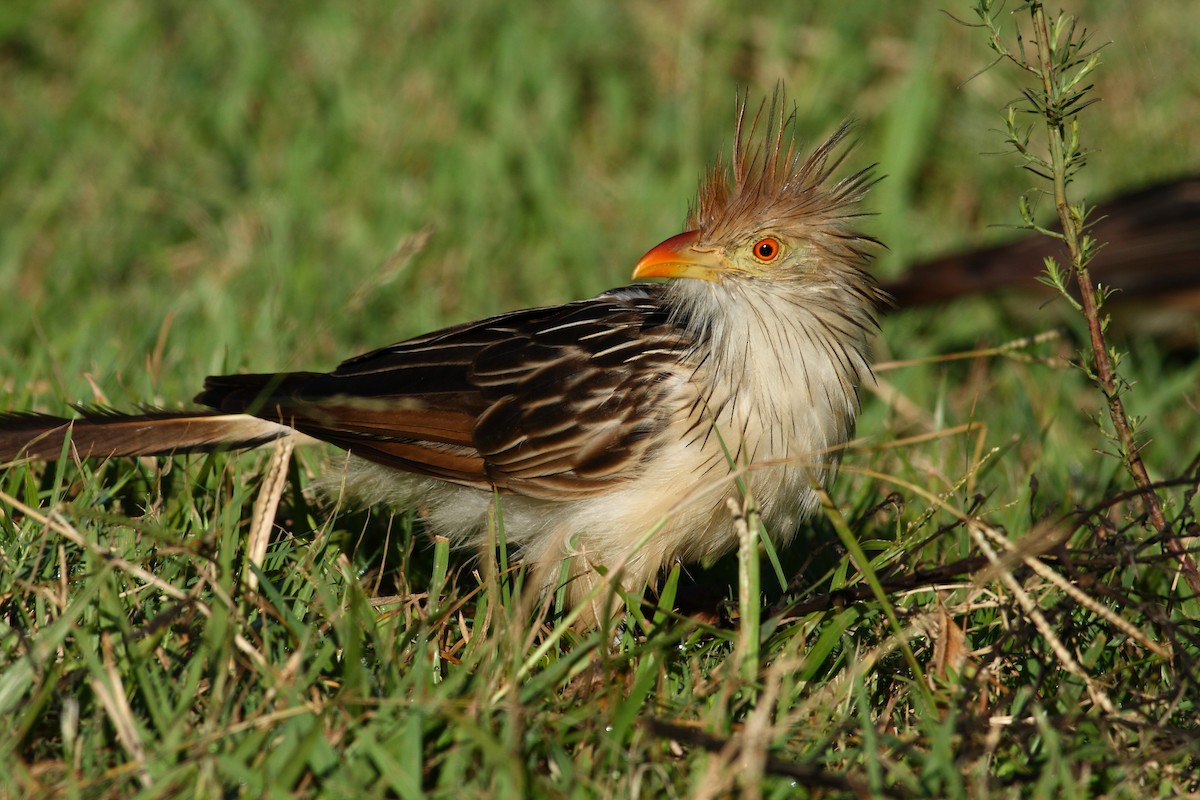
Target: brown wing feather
(548, 402)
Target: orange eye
(766, 249)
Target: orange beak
(678, 257)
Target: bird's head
(771, 214)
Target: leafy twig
(1060, 59)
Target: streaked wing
(551, 402)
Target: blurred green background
(188, 188)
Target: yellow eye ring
(767, 249)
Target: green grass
(196, 188)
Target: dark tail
(108, 434)
(1151, 250)
(244, 411)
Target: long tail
(1151, 247)
(101, 433)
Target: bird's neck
(783, 362)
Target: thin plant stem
(1061, 62)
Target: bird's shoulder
(610, 328)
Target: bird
(612, 432)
